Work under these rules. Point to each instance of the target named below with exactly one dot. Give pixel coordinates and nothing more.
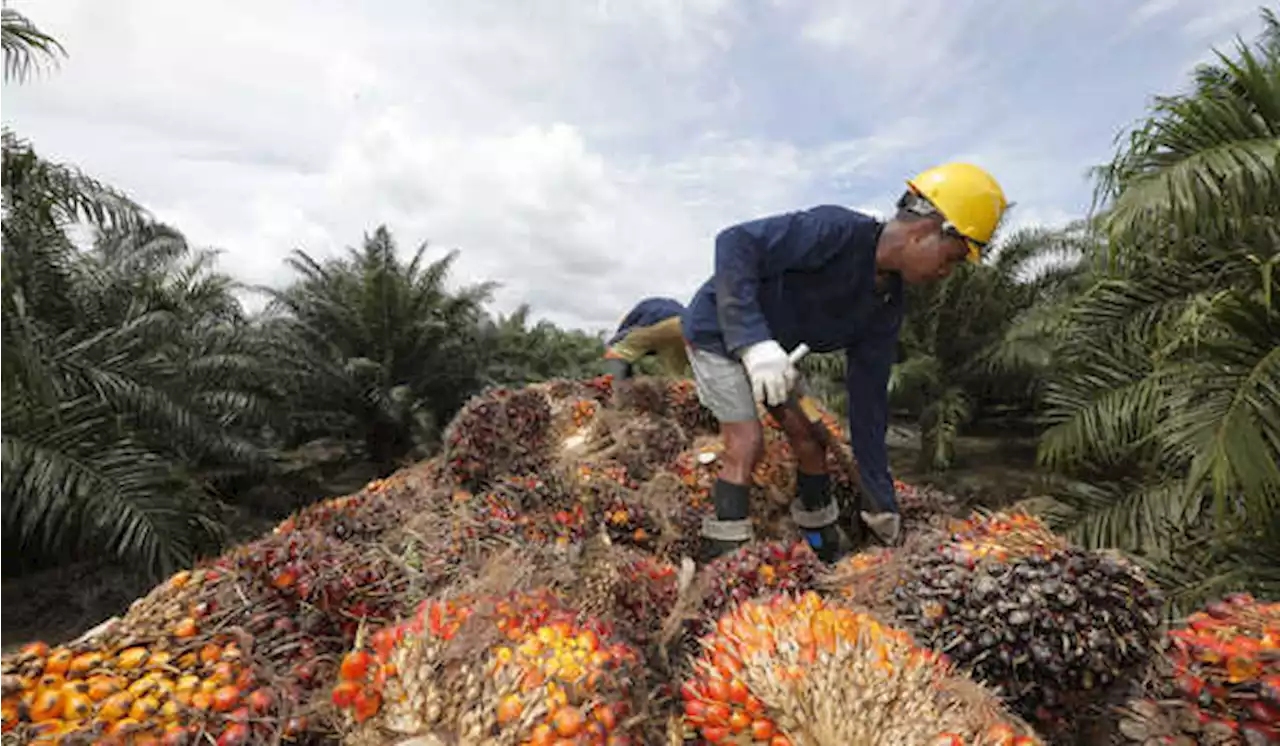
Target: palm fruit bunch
(582, 412)
(797, 669)
(759, 568)
(299, 598)
(642, 394)
(303, 596)
(363, 516)
(866, 579)
(630, 590)
(561, 389)
(598, 389)
(602, 478)
(643, 602)
(1000, 537)
(523, 668)
(529, 508)
(651, 516)
(686, 409)
(923, 505)
(630, 522)
(1223, 669)
(502, 431)
(600, 483)
(545, 491)
(140, 694)
(501, 516)
(647, 443)
(337, 583)
(1055, 627)
(188, 681)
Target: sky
(585, 153)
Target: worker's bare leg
(724, 389)
(743, 449)
(814, 510)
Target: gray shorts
(723, 386)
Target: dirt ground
(60, 604)
(989, 471)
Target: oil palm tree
(374, 351)
(118, 401)
(519, 353)
(1166, 397)
(124, 403)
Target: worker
(831, 278)
(651, 328)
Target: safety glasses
(920, 205)
(973, 248)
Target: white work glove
(771, 372)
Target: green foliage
(521, 353)
(123, 396)
(375, 352)
(1202, 164)
(1165, 395)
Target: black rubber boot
(813, 494)
(727, 532)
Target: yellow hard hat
(969, 198)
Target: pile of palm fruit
(528, 586)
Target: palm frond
(1141, 517)
(1209, 564)
(41, 191)
(65, 496)
(1201, 162)
(25, 46)
(1105, 415)
(1224, 414)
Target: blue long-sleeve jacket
(810, 276)
(646, 313)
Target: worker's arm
(752, 251)
(867, 385)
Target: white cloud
(916, 48)
(1151, 9)
(1222, 20)
(582, 154)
